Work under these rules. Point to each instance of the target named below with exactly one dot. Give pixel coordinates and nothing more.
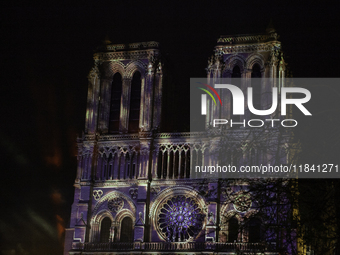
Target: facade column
(209, 81)
(110, 168)
(168, 165)
(122, 166)
(179, 164)
(191, 164)
(144, 160)
(92, 101)
(157, 96)
(145, 114)
(174, 164)
(86, 166)
(247, 84)
(185, 164)
(162, 169)
(94, 232)
(282, 73)
(155, 162)
(79, 169)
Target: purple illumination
(180, 219)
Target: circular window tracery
(115, 204)
(180, 218)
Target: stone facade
(134, 191)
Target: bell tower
(246, 61)
(125, 89)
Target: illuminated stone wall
(145, 175)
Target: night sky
(46, 54)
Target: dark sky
(46, 54)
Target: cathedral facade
(134, 189)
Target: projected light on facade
(180, 218)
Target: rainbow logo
(213, 90)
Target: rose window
(180, 219)
(115, 204)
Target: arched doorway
(105, 230)
(233, 229)
(126, 230)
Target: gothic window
(236, 74)
(105, 230)
(180, 218)
(165, 164)
(128, 166)
(187, 163)
(104, 167)
(176, 164)
(116, 94)
(131, 171)
(233, 229)
(159, 165)
(135, 102)
(182, 164)
(256, 85)
(199, 158)
(176, 168)
(171, 164)
(235, 80)
(254, 230)
(126, 230)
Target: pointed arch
(235, 60)
(105, 228)
(253, 59)
(101, 215)
(134, 67)
(116, 67)
(120, 217)
(126, 230)
(113, 194)
(115, 102)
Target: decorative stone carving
(180, 218)
(115, 204)
(155, 189)
(133, 193)
(211, 219)
(97, 194)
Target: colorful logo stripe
(215, 92)
(209, 94)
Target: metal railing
(170, 246)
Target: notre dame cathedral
(134, 191)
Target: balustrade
(170, 246)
